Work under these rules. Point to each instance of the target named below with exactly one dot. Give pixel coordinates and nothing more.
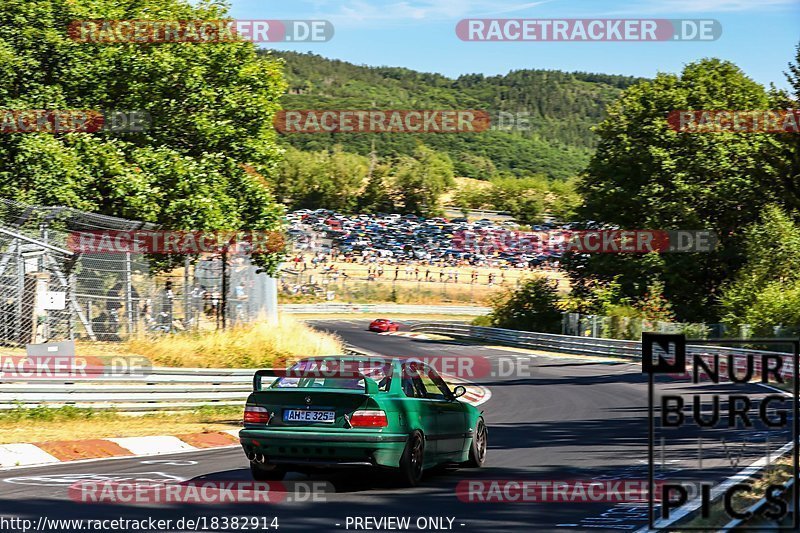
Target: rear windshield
(325, 375)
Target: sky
(760, 36)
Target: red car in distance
(383, 325)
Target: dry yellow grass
(407, 289)
(777, 474)
(255, 345)
(359, 271)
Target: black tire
(267, 473)
(477, 452)
(411, 462)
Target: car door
(421, 407)
(450, 415)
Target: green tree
(333, 180)
(376, 196)
(418, 182)
(524, 198)
(532, 307)
(763, 290)
(556, 139)
(211, 107)
(472, 196)
(645, 175)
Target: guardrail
(537, 341)
(159, 389)
(385, 309)
(548, 342)
(188, 388)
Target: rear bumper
(332, 448)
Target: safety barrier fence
(158, 389)
(385, 309)
(590, 346)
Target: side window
(413, 386)
(436, 387)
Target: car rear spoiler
(370, 385)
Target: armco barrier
(579, 345)
(159, 389)
(536, 341)
(385, 309)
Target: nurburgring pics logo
(719, 400)
(381, 121)
(199, 31)
(588, 30)
(735, 121)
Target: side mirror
(459, 391)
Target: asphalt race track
(572, 419)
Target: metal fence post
(20, 290)
(73, 280)
(129, 294)
(224, 295)
(188, 315)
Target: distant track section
(385, 309)
(592, 346)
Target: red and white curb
(14, 455)
(476, 394)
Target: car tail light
(256, 415)
(369, 419)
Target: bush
(483, 321)
(532, 307)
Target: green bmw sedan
(345, 411)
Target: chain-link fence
(50, 292)
(631, 328)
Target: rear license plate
(304, 415)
